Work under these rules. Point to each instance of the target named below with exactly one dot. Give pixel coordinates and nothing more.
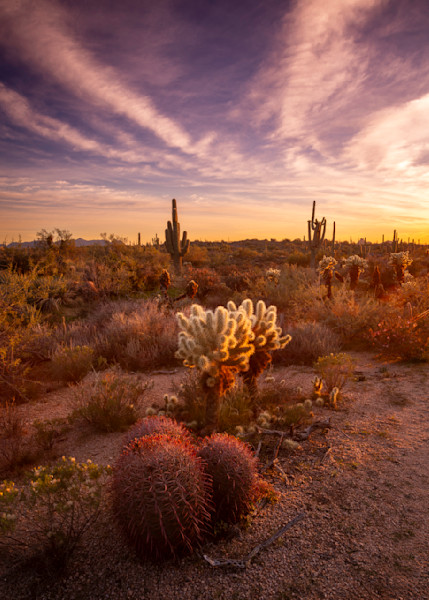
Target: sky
(245, 111)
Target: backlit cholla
(267, 337)
(219, 344)
(400, 261)
(326, 270)
(355, 265)
(273, 275)
(211, 340)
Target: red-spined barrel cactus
(155, 424)
(233, 469)
(161, 496)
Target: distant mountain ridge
(79, 242)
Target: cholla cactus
(400, 261)
(273, 275)
(326, 270)
(219, 344)
(267, 338)
(355, 265)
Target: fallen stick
(244, 562)
(304, 435)
(276, 453)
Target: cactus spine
(315, 240)
(176, 247)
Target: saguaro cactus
(315, 240)
(176, 247)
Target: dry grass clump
(15, 447)
(309, 341)
(141, 340)
(110, 401)
(71, 364)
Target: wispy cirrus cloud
(395, 140)
(40, 33)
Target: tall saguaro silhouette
(176, 247)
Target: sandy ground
(362, 487)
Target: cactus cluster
(168, 493)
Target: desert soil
(362, 487)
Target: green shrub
(335, 370)
(51, 512)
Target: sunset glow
(244, 111)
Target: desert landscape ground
(338, 416)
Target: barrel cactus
(156, 424)
(161, 496)
(233, 469)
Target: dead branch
(304, 435)
(244, 562)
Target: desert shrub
(299, 259)
(348, 315)
(335, 370)
(156, 425)
(309, 341)
(71, 364)
(160, 496)
(110, 401)
(49, 433)
(142, 339)
(234, 408)
(233, 469)
(287, 292)
(207, 279)
(15, 444)
(402, 338)
(49, 515)
(14, 381)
